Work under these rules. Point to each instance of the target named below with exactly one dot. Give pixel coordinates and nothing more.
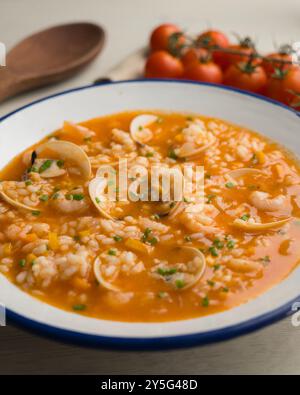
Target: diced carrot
(84, 233)
(7, 249)
(179, 138)
(261, 157)
(31, 237)
(31, 258)
(53, 241)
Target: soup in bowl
(82, 257)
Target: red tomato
(295, 103)
(271, 66)
(194, 55)
(245, 48)
(212, 38)
(291, 84)
(160, 36)
(246, 76)
(161, 64)
(283, 85)
(274, 89)
(204, 71)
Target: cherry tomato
(161, 64)
(213, 38)
(245, 48)
(160, 36)
(246, 76)
(271, 66)
(274, 89)
(295, 103)
(291, 84)
(194, 55)
(204, 71)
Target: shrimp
(263, 202)
(67, 202)
(201, 221)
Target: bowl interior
(25, 127)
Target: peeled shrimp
(263, 202)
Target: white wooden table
(273, 350)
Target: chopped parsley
(218, 244)
(211, 283)
(231, 244)
(187, 238)
(60, 163)
(22, 263)
(210, 198)
(205, 302)
(149, 154)
(162, 295)
(44, 198)
(230, 185)
(213, 251)
(118, 238)
(28, 182)
(36, 213)
(45, 166)
(166, 272)
(179, 284)
(112, 252)
(266, 259)
(75, 196)
(172, 154)
(79, 307)
(245, 217)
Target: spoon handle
(8, 84)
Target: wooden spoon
(49, 56)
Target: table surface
(273, 350)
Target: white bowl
(29, 124)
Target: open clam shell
(100, 279)
(70, 152)
(235, 175)
(138, 128)
(13, 202)
(96, 190)
(189, 151)
(258, 227)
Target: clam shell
(70, 152)
(138, 130)
(15, 203)
(202, 267)
(189, 151)
(258, 227)
(96, 191)
(100, 279)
